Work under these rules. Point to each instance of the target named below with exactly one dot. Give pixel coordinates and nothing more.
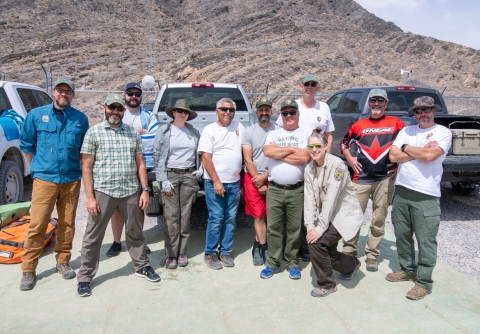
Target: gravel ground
(458, 237)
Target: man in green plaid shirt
(112, 164)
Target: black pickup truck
(349, 105)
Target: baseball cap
(114, 98)
(263, 101)
(310, 77)
(377, 92)
(132, 85)
(64, 81)
(289, 103)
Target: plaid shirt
(115, 169)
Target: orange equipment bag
(12, 238)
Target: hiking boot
(257, 257)
(227, 260)
(304, 255)
(182, 260)
(417, 293)
(294, 273)
(321, 292)
(211, 260)
(350, 253)
(171, 263)
(372, 264)
(28, 281)
(114, 249)
(65, 270)
(147, 249)
(83, 289)
(148, 273)
(348, 277)
(400, 276)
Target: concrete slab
(233, 300)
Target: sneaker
(83, 289)
(212, 261)
(114, 249)
(264, 252)
(227, 260)
(147, 249)
(321, 292)
(182, 260)
(148, 273)
(400, 276)
(348, 277)
(257, 257)
(304, 255)
(267, 272)
(294, 273)
(372, 264)
(171, 263)
(65, 270)
(350, 253)
(417, 293)
(28, 281)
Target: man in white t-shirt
(287, 149)
(419, 150)
(146, 124)
(221, 148)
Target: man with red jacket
(374, 172)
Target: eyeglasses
(119, 108)
(426, 110)
(224, 109)
(310, 84)
(181, 111)
(63, 91)
(311, 146)
(376, 99)
(291, 113)
(137, 94)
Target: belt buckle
(286, 186)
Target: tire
(463, 188)
(11, 183)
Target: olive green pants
(419, 214)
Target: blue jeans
(221, 217)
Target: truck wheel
(11, 182)
(463, 188)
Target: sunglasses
(426, 110)
(310, 84)
(376, 99)
(63, 91)
(224, 109)
(137, 94)
(119, 108)
(180, 111)
(291, 113)
(311, 146)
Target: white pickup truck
(14, 166)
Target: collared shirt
(55, 145)
(115, 169)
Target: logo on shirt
(377, 130)
(236, 131)
(45, 118)
(429, 135)
(338, 174)
(319, 118)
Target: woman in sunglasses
(176, 155)
(332, 212)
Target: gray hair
(317, 133)
(226, 100)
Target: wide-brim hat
(425, 102)
(183, 105)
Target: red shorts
(255, 204)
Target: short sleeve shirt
(311, 118)
(255, 136)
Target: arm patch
(338, 174)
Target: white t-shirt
(182, 148)
(420, 176)
(225, 145)
(132, 119)
(311, 118)
(282, 172)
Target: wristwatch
(146, 189)
(403, 147)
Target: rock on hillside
(104, 44)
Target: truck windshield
(201, 98)
(403, 100)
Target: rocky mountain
(102, 45)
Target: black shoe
(147, 249)
(114, 249)
(28, 281)
(257, 256)
(83, 289)
(148, 273)
(264, 252)
(304, 255)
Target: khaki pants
(381, 193)
(44, 197)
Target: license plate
(467, 173)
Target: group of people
(301, 197)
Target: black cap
(133, 85)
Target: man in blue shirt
(51, 139)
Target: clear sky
(456, 21)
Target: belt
(180, 171)
(286, 186)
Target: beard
(264, 120)
(133, 103)
(62, 102)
